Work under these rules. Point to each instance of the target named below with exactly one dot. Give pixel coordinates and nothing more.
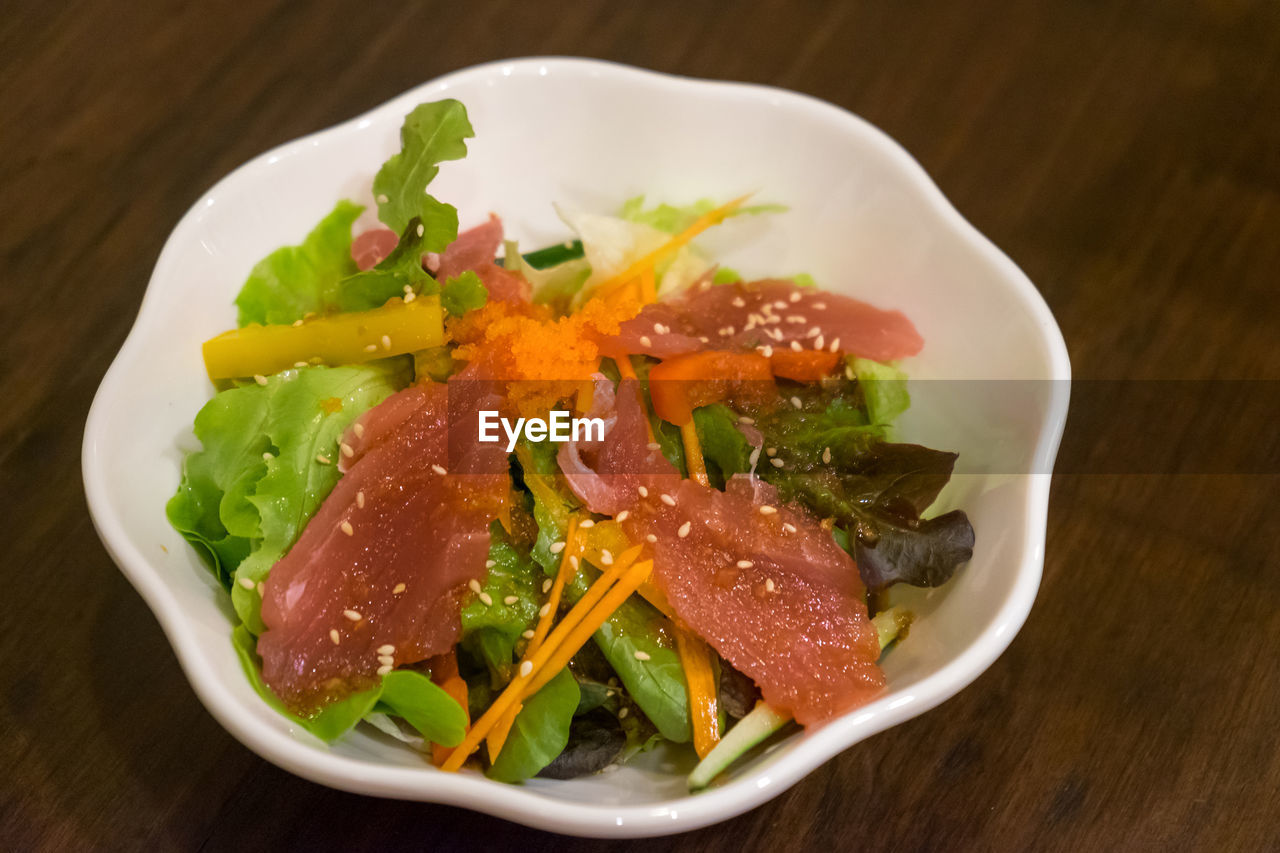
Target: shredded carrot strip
(582, 632)
(583, 613)
(498, 736)
(651, 260)
(695, 658)
(649, 285)
(693, 454)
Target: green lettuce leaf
(514, 587)
(432, 133)
(726, 275)
(884, 389)
(296, 280)
(540, 731)
(725, 450)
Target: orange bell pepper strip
(804, 366)
(680, 385)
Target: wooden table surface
(1126, 155)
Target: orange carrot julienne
(693, 453)
(518, 687)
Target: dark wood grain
(1127, 155)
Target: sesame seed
(796, 318)
(473, 585)
(421, 229)
(745, 564)
(653, 445)
(768, 584)
(297, 322)
(408, 288)
(544, 609)
(260, 379)
(528, 635)
(586, 524)
(382, 198)
(657, 327)
(779, 303)
(358, 429)
(729, 329)
(643, 490)
(622, 715)
(353, 615)
(622, 516)
(813, 332)
(768, 510)
(322, 459)
(766, 351)
(743, 419)
(819, 342)
(386, 342)
(645, 341)
(386, 660)
(247, 583)
(667, 499)
(347, 450)
(409, 297)
(826, 455)
(606, 557)
(738, 302)
(299, 364)
(371, 348)
(439, 469)
(267, 457)
(386, 649)
(384, 669)
(789, 527)
(776, 462)
(795, 296)
(546, 585)
(511, 599)
(489, 564)
(526, 668)
(771, 451)
(821, 306)
(704, 339)
(835, 345)
(486, 599)
(557, 547)
(650, 538)
(795, 401)
(347, 528)
(399, 588)
(684, 529)
(334, 636)
(795, 345)
(360, 500)
(642, 655)
(573, 563)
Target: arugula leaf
(725, 449)
(540, 732)
(402, 268)
(464, 293)
(296, 280)
(432, 133)
(675, 218)
(424, 705)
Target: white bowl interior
(864, 220)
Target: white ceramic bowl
(864, 219)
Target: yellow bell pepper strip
(695, 657)
(349, 338)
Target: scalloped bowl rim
(513, 802)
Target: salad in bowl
(535, 510)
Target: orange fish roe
(546, 359)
